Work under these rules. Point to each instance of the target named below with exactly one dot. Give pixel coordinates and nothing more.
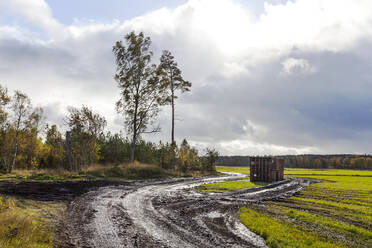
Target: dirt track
(167, 213)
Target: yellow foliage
(34, 162)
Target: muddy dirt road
(167, 213)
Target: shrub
(209, 160)
(143, 171)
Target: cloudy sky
(269, 77)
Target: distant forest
(341, 161)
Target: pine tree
(172, 80)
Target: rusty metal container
(266, 169)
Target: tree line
(342, 161)
(27, 142)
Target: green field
(299, 171)
(336, 212)
(326, 172)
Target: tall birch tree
(21, 106)
(141, 93)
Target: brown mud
(153, 213)
(167, 213)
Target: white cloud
(36, 12)
(297, 66)
(248, 147)
(327, 25)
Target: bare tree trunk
(172, 115)
(133, 148)
(134, 138)
(16, 145)
(68, 151)
(173, 161)
(15, 154)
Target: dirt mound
(52, 191)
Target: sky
(269, 77)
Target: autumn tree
(140, 90)
(86, 130)
(188, 157)
(4, 101)
(30, 140)
(53, 152)
(21, 107)
(171, 78)
(210, 159)
(167, 155)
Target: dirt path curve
(168, 213)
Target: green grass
(327, 222)
(339, 208)
(347, 198)
(354, 183)
(230, 185)
(244, 170)
(353, 206)
(43, 175)
(326, 172)
(25, 223)
(281, 234)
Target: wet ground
(167, 213)
(53, 191)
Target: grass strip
(230, 185)
(362, 209)
(280, 234)
(326, 221)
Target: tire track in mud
(169, 213)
